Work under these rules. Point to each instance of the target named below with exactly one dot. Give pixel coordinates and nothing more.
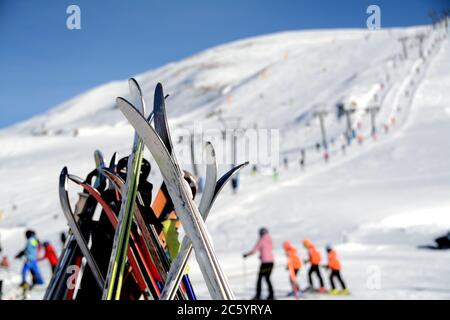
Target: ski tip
(134, 85)
(123, 103)
(132, 81)
(63, 179)
(99, 158)
(112, 162)
(159, 93)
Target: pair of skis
(117, 262)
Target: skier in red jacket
(50, 255)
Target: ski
(99, 164)
(82, 244)
(111, 168)
(160, 118)
(55, 289)
(180, 195)
(121, 238)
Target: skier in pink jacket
(264, 247)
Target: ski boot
(344, 292)
(334, 292)
(25, 286)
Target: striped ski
(117, 262)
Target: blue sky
(42, 63)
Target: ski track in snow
(376, 203)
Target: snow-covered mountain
(282, 75)
(377, 202)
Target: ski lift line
(382, 100)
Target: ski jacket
(50, 255)
(333, 261)
(264, 246)
(293, 260)
(171, 234)
(314, 255)
(31, 249)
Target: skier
(314, 260)
(30, 253)
(235, 183)
(264, 246)
(50, 255)
(293, 266)
(318, 146)
(335, 266)
(302, 158)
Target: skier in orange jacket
(293, 265)
(314, 260)
(335, 266)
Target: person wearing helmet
(293, 266)
(314, 261)
(335, 266)
(264, 247)
(30, 254)
(50, 255)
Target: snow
(376, 203)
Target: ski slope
(375, 203)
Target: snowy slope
(360, 201)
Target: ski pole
(245, 275)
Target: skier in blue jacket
(31, 259)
